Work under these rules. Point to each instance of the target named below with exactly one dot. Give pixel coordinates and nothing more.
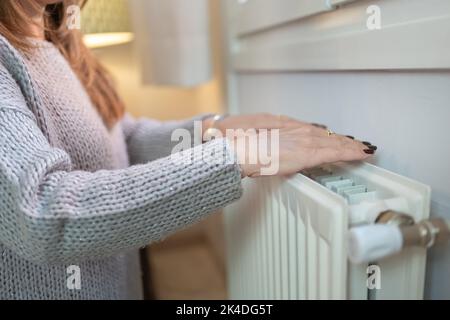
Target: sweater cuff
(219, 166)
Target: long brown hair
(96, 80)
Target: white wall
(406, 114)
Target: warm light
(106, 23)
(99, 40)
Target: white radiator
(287, 238)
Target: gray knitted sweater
(73, 192)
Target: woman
(84, 184)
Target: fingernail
(374, 148)
(351, 137)
(369, 151)
(366, 143)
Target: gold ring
(330, 132)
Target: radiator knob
(372, 242)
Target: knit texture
(73, 192)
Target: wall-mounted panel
(256, 15)
(340, 39)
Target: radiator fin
(285, 230)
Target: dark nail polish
(366, 143)
(351, 137)
(374, 148)
(369, 151)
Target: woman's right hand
(298, 148)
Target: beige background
(166, 102)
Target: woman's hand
(297, 148)
(297, 145)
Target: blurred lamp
(173, 40)
(106, 23)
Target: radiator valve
(391, 233)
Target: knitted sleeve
(148, 139)
(52, 214)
